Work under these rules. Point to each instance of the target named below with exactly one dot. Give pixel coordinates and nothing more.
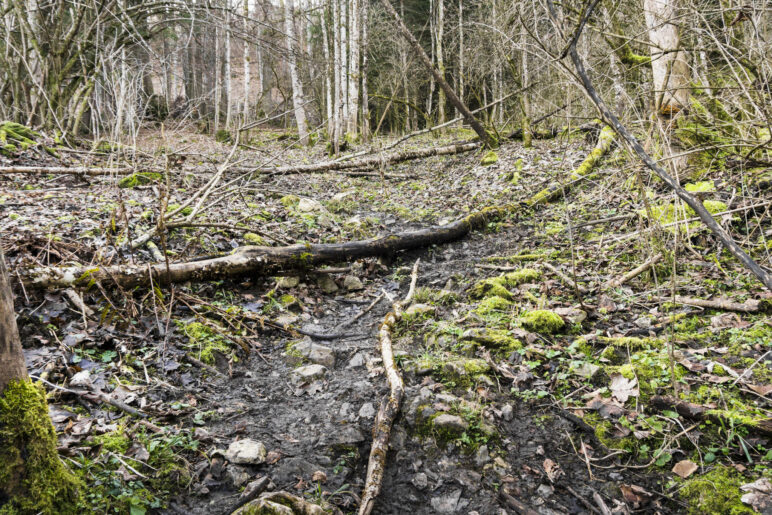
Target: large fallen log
(257, 260)
(367, 162)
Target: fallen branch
(749, 306)
(63, 170)
(693, 411)
(557, 190)
(611, 119)
(368, 162)
(256, 260)
(389, 407)
(563, 277)
(633, 273)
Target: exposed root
(389, 409)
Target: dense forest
(385, 256)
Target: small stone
(446, 503)
(316, 353)
(359, 360)
(237, 476)
(572, 315)
(326, 283)
(643, 322)
(451, 423)
(420, 481)
(482, 456)
(507, 412)
(352, 283)
(545, 491)
(307, 205)
(367, 410)
(286, 319)
(246, 452)
(308, 373)
(81, 379)
(419, 309)
(288, 281)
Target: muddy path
(526, 388)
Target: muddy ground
(499, 415)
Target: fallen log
(367, 162)
(692, 411)
(376, 465)
(556, 190)
(257, 260)
(63, 170)
(749, 306)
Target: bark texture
(12, 364)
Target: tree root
(389, 409)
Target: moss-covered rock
(139, 179)
(491, 305)
(489, 158)
(15, 137)
(717, 492)
(255, 239)
(497, 286)
(542, 321)
(32, 478)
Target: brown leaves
(759, 495)
(685, 468)
(552, 469)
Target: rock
(288, 470)
(316, 353)
(307, 205)
(359, 360)
(288, 281)
(246, 452)
(326, 283)
(367, 410)
(82, 379)
(446, 503)
(572, 315)
(545, 491)
(419, 309)
(507, 412)
(643, 322)
(286, 319)
(420, 481)
(352, 283)
(237, 476)
(482, 456)
(308, 373)
(452, 423)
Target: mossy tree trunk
(32, 479)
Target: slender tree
(298, 99)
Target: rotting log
(376, 465)
(368, 162)
(63, 170)
(258, 260)
(697, 412)
(556, 190)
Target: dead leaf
(623, 388)
(552, 469)
(759, 495)
(634, 495)
(726, 320)
(762, 390)
(692, 366)
(319, 477)
(685, 468)
(272, 457)
(606, 408)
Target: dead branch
(749, 306)
(389, 409)
(257, 260)
(693, 411)
(619, 281)
(63, 170)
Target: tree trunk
(246, 65)
(668, 64)
(337, 76)
(365, 127)
(353, 70)
(298, 100)
(11, 357)
(328, 68)
(440, 34)
(487, 139)
(525, 106)
(227, 66)
(460, 53)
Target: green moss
(491, 305)
(489, 158)
(700, 187)
(254, 239)
(289, 201)
(139, 179)
(542, 321)
(715, 493)
(206, 340)
(632, 342)
(115, 441)
(497, 286)
(223, 136)
(32, 478)
(15, 137)
(670, 213)
(173, 207)
(499, 339)
(475, 367)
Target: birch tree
(298, 100)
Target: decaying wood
(63, 170)
(619, 281)
(690, 200)
(257, 260)
(693, 411)
(389, 409)
(563, 277)
(284, 502)
(749, 306)
(368, 162)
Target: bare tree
(298, 99)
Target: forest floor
(526, 388)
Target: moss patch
(139, 179)
(31, 475)
(490, 158)
(542, 321)
(497, 286)
(717, 492)
(206, 340)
